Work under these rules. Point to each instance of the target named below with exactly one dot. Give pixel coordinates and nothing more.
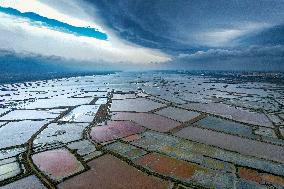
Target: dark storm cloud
(252, 51)
(12, 62)
(179, 24)
(269, 36)
(253, 58)
(184, 32)
(207, 33)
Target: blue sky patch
(57, 25)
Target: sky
(142, 34)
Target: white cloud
(50, 12)
(225, 36)
(24, 36)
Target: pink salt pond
(108, 172)
(114, 130)
(151, 121)
(57, 164)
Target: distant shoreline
(23, 77)
(233, 76)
